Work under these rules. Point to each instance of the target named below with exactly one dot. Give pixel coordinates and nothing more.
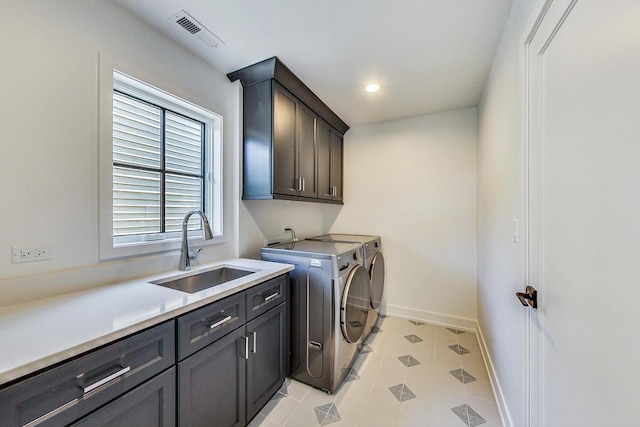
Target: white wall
(413, 182)
(266, 219)
(49, 142)
(501, 200)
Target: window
(158, 168)
(165, 160)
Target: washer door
(354, 306)
(376, 272)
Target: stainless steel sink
(201, 281)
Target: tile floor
(407, 374)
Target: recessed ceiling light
(373, 87)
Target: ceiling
(427, 55)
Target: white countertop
(43, 332)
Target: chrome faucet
(185, 258)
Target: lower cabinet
(149, 405)
(72, 390)
(268, 358)
(211, 388)
(229, 381)
(231, 357)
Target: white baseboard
(465, 324)
(495, 384)
(445, 320)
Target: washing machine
(329, 308)
(373, 261)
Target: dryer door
(376, 272)
(354, 306)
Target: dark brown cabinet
(330, 166)
(228, 380)
(232, 357)
(153, 404)
(211, 384)
(292, 141)
(267, 363)
(66, 393)
(294, 147)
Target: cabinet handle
(220, 322)
(246, 347)
(255, 342)
(298, 184)
(272, 296)
(302, 184)
(106, 380)
(50, 414)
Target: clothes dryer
(329, 308)
(374, 262)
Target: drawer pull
(272, 296)
(106, 380)
(220, 322)
(51, 414)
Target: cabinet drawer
(203, 326)
(70, 391)
(263, 297)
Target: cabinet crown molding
(273, 68)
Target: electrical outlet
(30, 253)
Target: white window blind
(158, 171)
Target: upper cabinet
(292, 140)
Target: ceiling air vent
(190, 24)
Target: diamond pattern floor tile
(470, 417)
(408, 360)
(327, 414)
(413, 338)
(459, 349)
(362, 384)
(463, 376)
(402, 392)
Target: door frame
(552, 13)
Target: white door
(583, 63)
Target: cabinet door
(307, 152)
(336, 165)
(211, 384)
(323, 142)
(268, 359)
(285, 179)
(153, 404)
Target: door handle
(255, 342)
(528, 298)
